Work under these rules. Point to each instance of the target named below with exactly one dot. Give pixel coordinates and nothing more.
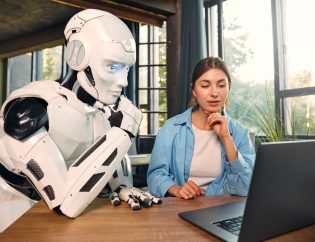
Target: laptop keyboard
(232, 225)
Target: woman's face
(211, 90)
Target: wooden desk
(103, 222)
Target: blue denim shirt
(173, 151)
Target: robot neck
(70, 82)
(82, 95)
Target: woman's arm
(239, 171)
(230, 149)
(159, 178)
(240, 153)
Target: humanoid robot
(64, 142)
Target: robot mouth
(116, 93)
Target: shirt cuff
(164, 186)
(235, 166)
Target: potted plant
(270, 124)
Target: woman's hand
(218, 123)
(189, 190)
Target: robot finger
(133, 202)
(144, 200)
(108, 111)
(114, 199)
(154, 199)
(124, 104)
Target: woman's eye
(204, 86)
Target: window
(297, 78)
(266, 45)
(298, 39)
(151, 89)
(248, 52)
(19, 72)
(301, 111)
(46, 64)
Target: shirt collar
(185, 117)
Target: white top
(206, 160)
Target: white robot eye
(116, 67)
(119, 67)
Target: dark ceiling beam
(166, 7)
(31, 42)
(149, 12)
(120, 9)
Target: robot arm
(93, 170)
(69, 190)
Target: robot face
(110, 67)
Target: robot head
(102, 49)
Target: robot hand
(134, 197)
(127, 116)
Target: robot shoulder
(25, 116)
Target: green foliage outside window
(162, 76)
(52, 59)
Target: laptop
(281, 196)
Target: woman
(203, 150)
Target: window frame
(150, 44)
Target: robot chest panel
(73, 131)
